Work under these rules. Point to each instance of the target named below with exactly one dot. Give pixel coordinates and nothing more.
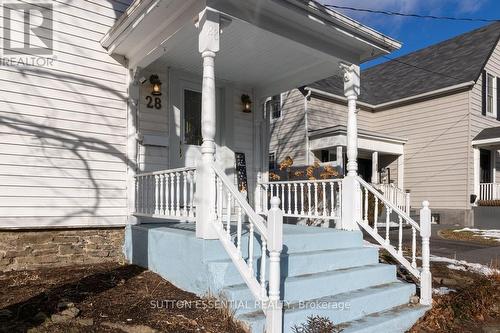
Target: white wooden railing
(230, 202)
(166, 194)
(313, 199)
(395, 247)
(489, 191)
(397, 196)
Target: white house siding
(478, 122)
(288, 133)
(325, 113)
(63, 127)
(436, 150)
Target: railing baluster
(162, 189)
(228, 217)
(263, 268)
(184, 193)
(302, 199)
(296, 211)
(413, 247)
(309, 199)
(315, 198)
(250, 248)
(177, 194)
(157, 194)
(219, 202)
(324, 197)
(388, 212)
(375, 215)
(332, 198)
(266, 201)
(289, 199)
(400, 235)
(172, 193)
(283, 197)
(238, 231)
(366, 206)
(191, 193)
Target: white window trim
(273, 120)
(494, 106)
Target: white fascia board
(485, 142)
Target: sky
(417, 33)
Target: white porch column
(205, 185)
(401, 171)
(132, 163)
(477, 170)
(351, 197)
(375, 167)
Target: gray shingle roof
(457, 60)
(488, 133)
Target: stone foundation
(50, 248)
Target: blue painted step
(300, 263)
(311, 286)
(340, 308)
(396, 320)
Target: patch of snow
(442, 291)
(391, 225)
(489, 234)
(463, 265)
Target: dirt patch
(467, 236)
(473, 305)
(104, 298)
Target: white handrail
(166, 194)
(229, 199)
(423, 274)
(394, 207)
(395, 195)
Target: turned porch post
(205, 185)
(351, 197)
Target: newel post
(274, 312)
(351, 196)
(205, 185)
(425, 274)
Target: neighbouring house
(143, 124)
(428, 124)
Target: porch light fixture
(155, 84)
(247, 103)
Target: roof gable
(451, 62)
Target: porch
(211, 173)
(486, 146)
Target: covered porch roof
(367, 140)
(487, 138)
(270, 45)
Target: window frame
(270, 99)
(493, 102)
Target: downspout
(307, 97)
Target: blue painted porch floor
(324, 272)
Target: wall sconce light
(155, 84)
(247, 103)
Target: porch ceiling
(271, 45)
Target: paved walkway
(454, 249)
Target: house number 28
(153, 103)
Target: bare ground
(103, 298)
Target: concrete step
(300, 263)
(312, 286)
(396, 320)
(340, 308)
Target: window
(274, 107)
(490, 95)
(272, 161)
(326, 155)
(192, 118)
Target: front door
(185, 129)
(485, 166)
